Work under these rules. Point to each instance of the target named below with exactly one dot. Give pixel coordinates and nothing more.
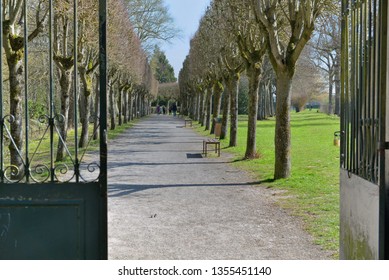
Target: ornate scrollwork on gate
(50, 49)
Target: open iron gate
(364, 139)
(50, 209)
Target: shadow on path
(117, 190)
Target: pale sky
(186, 14)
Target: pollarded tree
(307, 83)
(252, 47)
(288, 26)
(64, 60)
(199, 81)
(208, 49)
(87, 61)
(13, 44)
(326, 54)
(225, 54)
(185, 84)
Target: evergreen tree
(163, 71)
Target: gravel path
(167, 202)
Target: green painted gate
(364, 185)
(50, 208)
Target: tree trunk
(120, 106)
(96, 118)
(136, 108)
(131, 105)
(125, 110)
(208, 109)
(112, 106)
(71, 107)
(330, 96)
(197, 106)
(251, 148)
(15, 67)
(261, 102)
(226, 113)
(337, 90)
(65, 82)
(282, 139)
(202, 109)
(217, 95)
(86, 81)
(233, 86)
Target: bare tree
(252, 46)
(326, 55)
(288, 26)
(307, 83)
(64, 60)
(152, 22)
(232, 66)
(13, 44)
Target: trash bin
(218, 127)
(337, 138)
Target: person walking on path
(168, 202)
(174, 109)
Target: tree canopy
(163, 71)
(152, 22)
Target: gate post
(103, 123)
(384, 143)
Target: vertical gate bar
(75, 90)
(371, 93)
(26, 109)
(103, 124)
(359, 89)
(364, 92)
(1, 97)
(51, 92)
(376, 80)
(383, 199)
(353, 89)
(342, 88)
(345, 142)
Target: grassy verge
(312, 192)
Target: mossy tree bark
(217, 95)
(254, 77)
(96, 117)
(65, 81)
(232, 85)
(282, 139)
(284, 52)
(226, 113)
(16, 82)
(13, 44)
(208, 108)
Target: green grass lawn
(312, 192)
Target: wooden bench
(211, 141)
(188, 121)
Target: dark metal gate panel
(51, 222)
(363, 126)
(50, 209)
